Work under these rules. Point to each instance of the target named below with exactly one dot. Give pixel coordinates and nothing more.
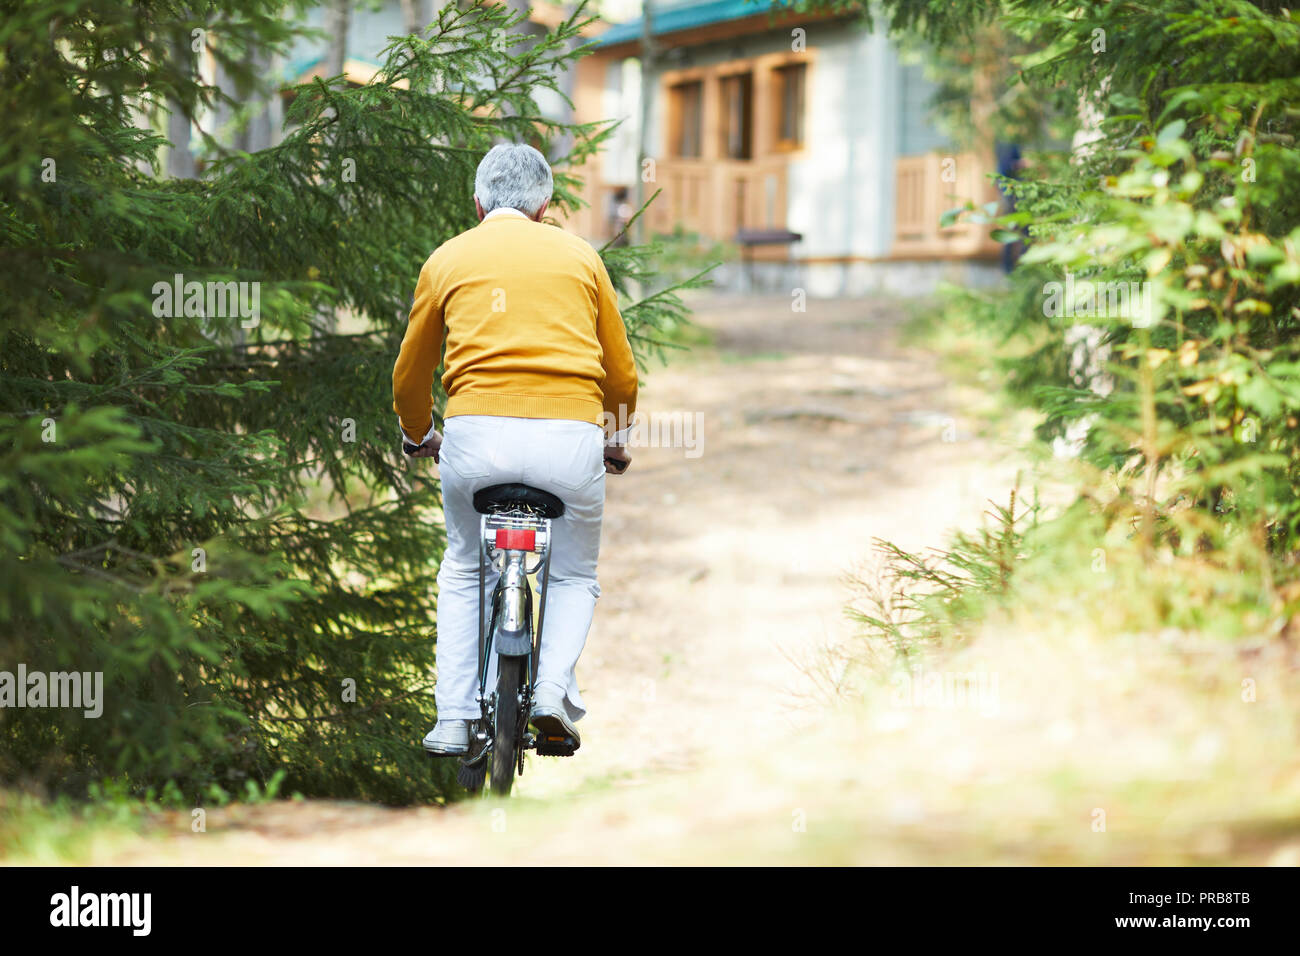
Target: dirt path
(720, 574)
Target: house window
(737, 116)
(686, 100)
(790, 103)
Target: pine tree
(207, 504)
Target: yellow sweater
(532, 328)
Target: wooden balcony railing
(718, 198)
(929, 185)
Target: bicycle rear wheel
(505, 746)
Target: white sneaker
(550, 716)
(449, 737)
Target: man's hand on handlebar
(429, 449)
(616, 459)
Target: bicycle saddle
(514, 494)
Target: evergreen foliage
(1182, 182)
(211, 510)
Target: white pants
(563, 457)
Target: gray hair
(513, 175)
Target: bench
(748, 239)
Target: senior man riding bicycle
(536, 355)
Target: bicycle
(516, 521)
(515, 524)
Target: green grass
(34, 831)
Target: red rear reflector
(517, 539)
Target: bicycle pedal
(553, 745)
